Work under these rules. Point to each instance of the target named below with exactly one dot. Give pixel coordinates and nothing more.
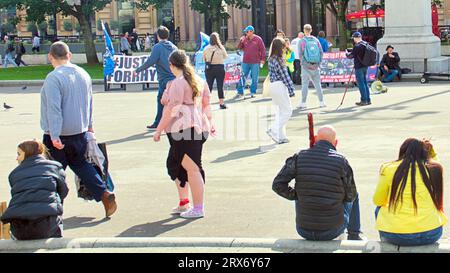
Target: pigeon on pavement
(6, 106)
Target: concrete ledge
(284, 245)
(14, 83)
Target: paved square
(239, 167)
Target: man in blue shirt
(323, 41)
(160, 58)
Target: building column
(410, 32)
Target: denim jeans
(9, 59)
(161, 88)
(73, 155)
(253, 70)
(361, 80)
(352, 223)
(389, 76)
(410, 239)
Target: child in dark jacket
(38, 189)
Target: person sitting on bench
(389, 65)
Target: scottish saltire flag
(108, 56)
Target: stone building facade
(265, 15)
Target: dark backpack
(22, 49)
(10, 48)
(370, 55)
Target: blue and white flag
(108, 56)
(204, 41)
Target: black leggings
(216, 72)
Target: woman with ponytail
(187, 120)
(409, 196)
(38, 188)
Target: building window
(126, 16)
(264, 19)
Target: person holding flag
(108, 57)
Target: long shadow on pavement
(156, 228)
(82, 222)
(238, 155)
(148, 134)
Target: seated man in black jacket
(325, 195)
(389, 65)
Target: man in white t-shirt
(295, 45)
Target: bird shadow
(79, 222)
(156, 228)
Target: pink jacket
(184, 111)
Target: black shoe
(223, 106)
(356, 237)
(362, 103)
(153, 126)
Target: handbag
(266, 87)
(208, 64)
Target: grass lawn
(40, 72)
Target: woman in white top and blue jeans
(281, 89)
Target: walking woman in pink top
(187, 121)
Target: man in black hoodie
(160, 58)
(325, 195)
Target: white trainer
(181, 209)
(322, 104)
(272, 136)
(302, 106)
(192, 213)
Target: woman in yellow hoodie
(409, 196)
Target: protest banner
(232, 64)
(124, 68)
(336, 68)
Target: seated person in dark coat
(389, 65)
(326, 200)
(38, 188)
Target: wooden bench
(4, 229)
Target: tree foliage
(339, 9)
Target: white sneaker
(322, 104)
(302, 106)
(179, 210)
(270, 134)
(283, 141)
(193, 214)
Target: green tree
(77, 27)
(214, 10)
(7, 28)
(31, 27)
(82, 10)
(42, 27)
(339, 9)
